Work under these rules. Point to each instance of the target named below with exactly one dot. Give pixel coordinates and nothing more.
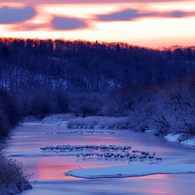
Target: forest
(81, 66)
(153, 87)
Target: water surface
(48, 171)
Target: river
(48, 178)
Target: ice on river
(131, 170)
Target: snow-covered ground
(174, 139)
(58, 119)
(131, 170)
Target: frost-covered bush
(13, 178)
(170, 108)
(182, 107)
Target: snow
(174, 139)
(189, 142)
(131, 170)
(58, 118)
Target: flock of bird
(102, 151)
(83, 132)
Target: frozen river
(48, 178)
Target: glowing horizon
(148, 23)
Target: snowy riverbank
(190, 142)
(98, 122)
(131, 170)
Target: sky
(148, 23)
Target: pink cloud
(35, 2)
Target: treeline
(40, 103)
(81, 66)
(9, 113)
(103, 79)
(163, 108)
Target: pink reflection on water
(28, 139)
(54, 167)
(155, 184)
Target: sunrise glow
(146, 23)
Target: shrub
(9, 114)
(13, 178)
